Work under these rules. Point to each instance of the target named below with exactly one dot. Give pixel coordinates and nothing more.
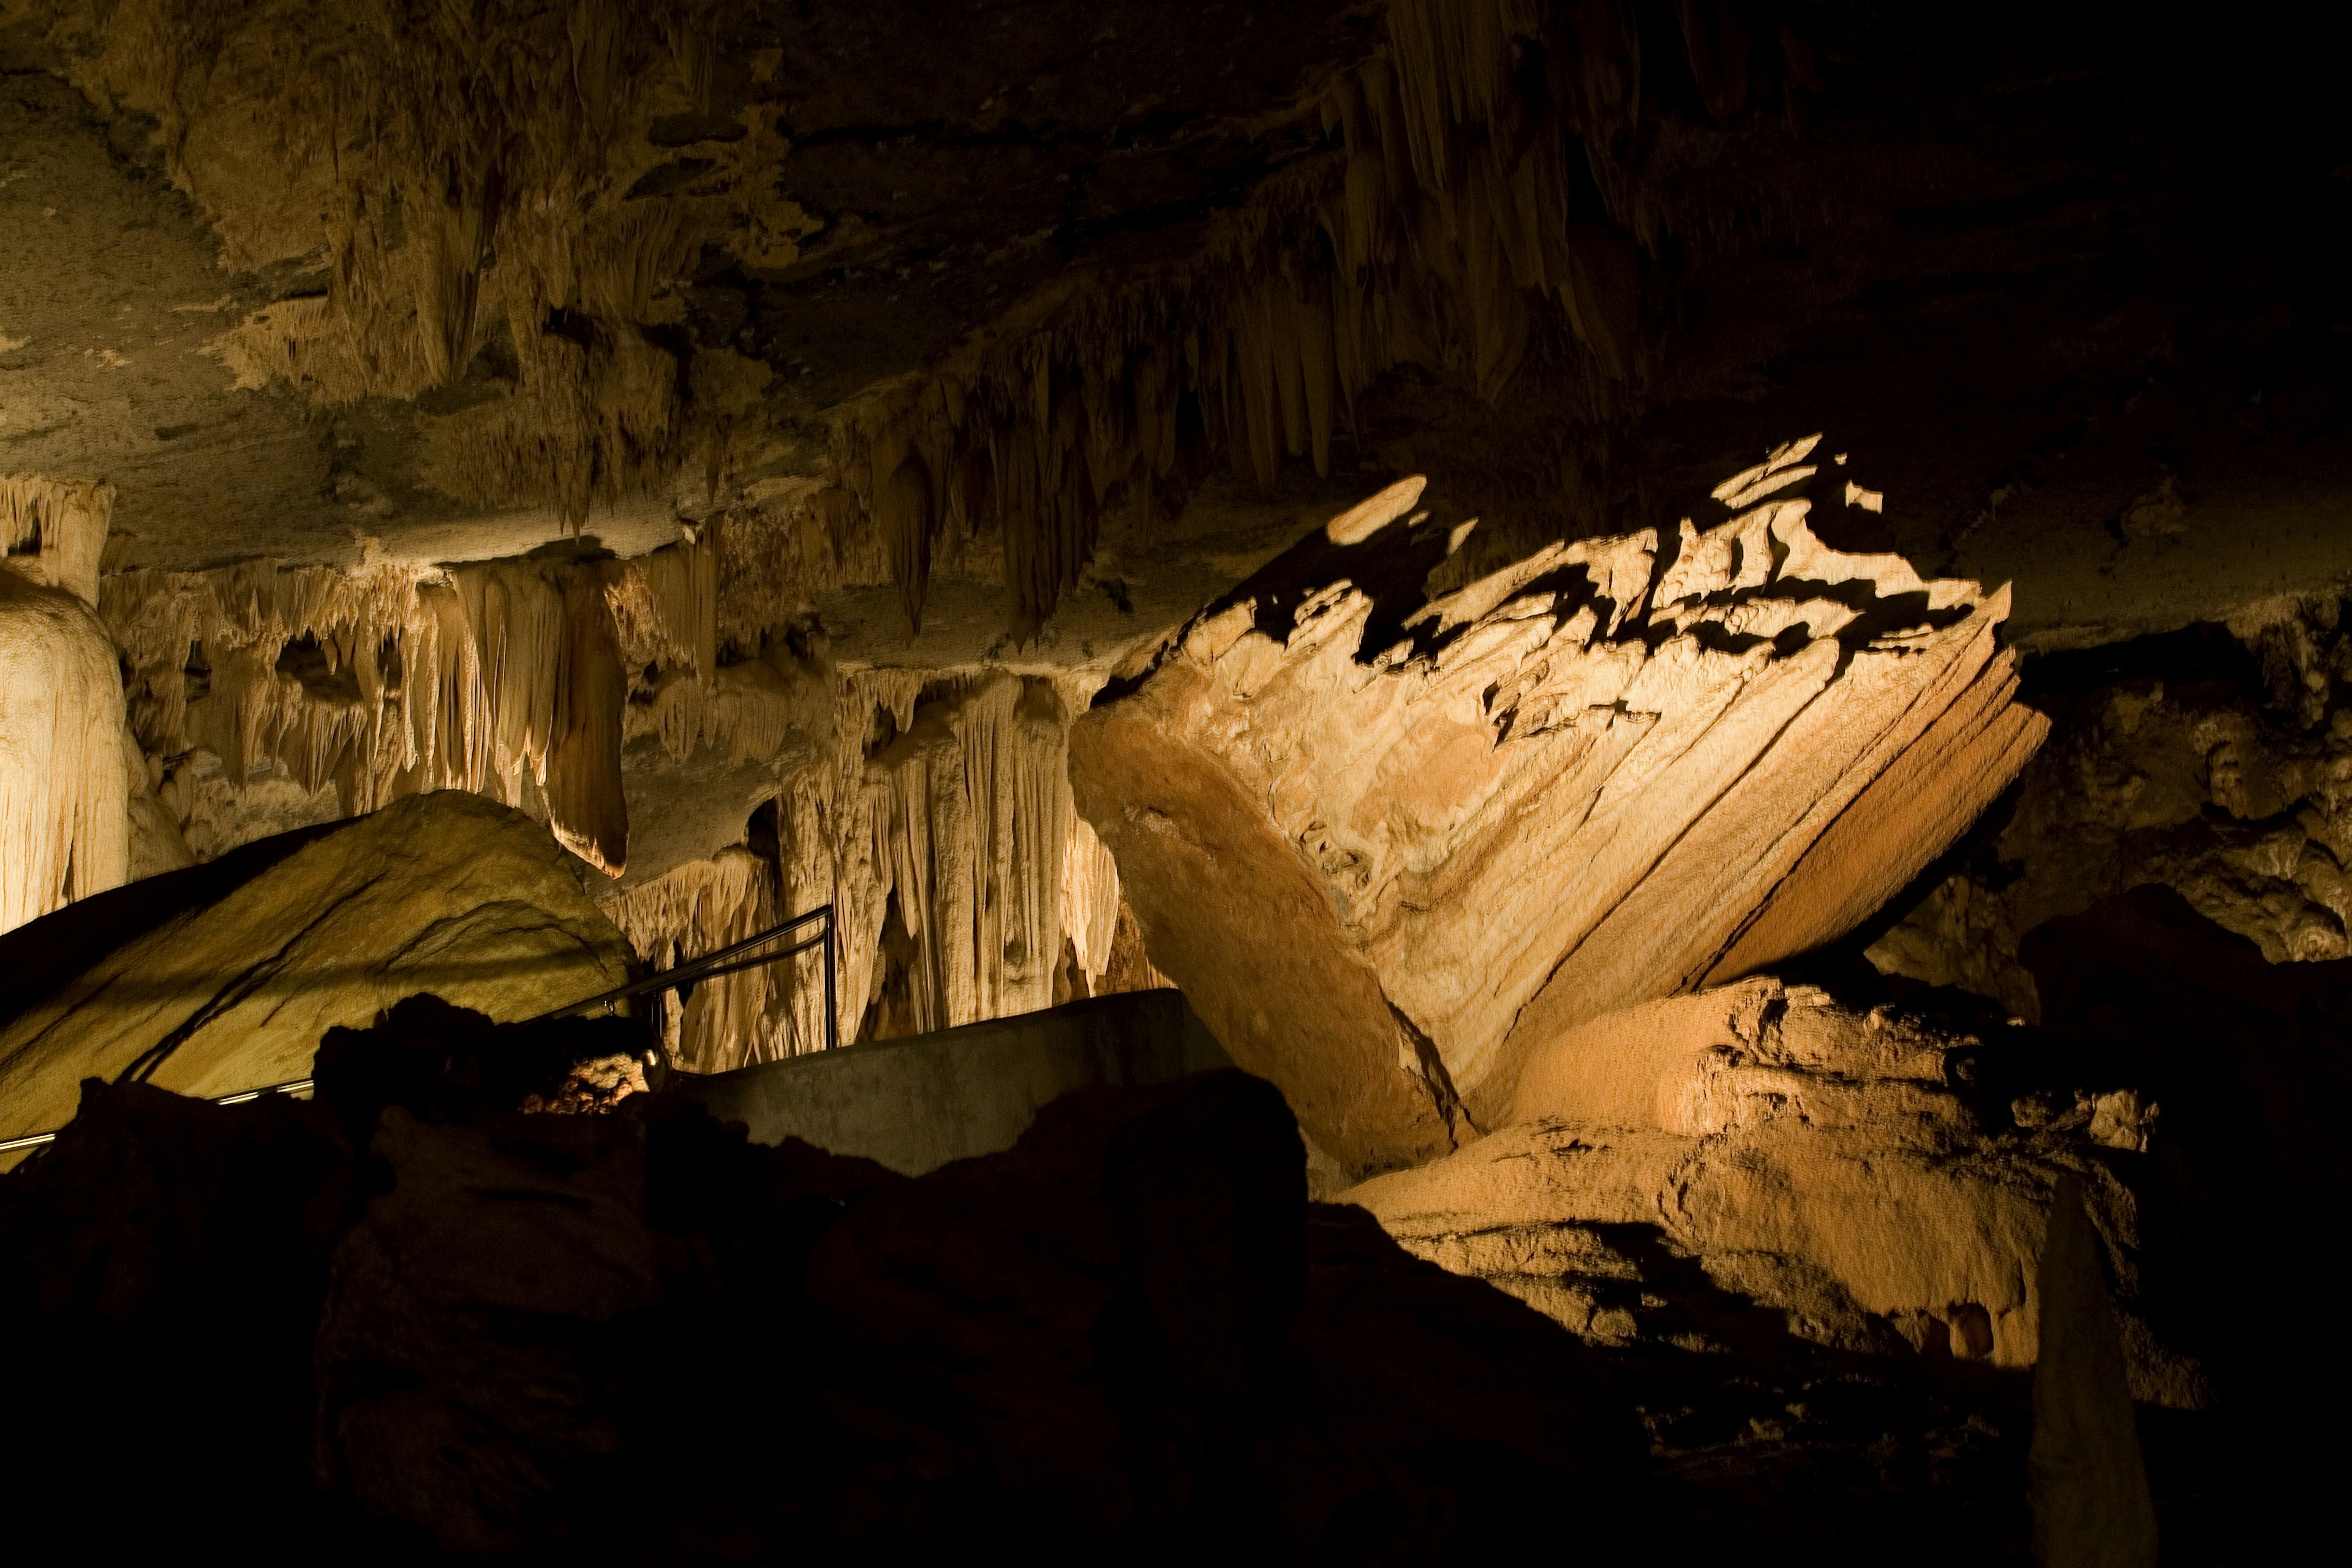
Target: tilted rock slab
(1387, 843)
(239, 965)
(1826, 1164)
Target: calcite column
(65, 823)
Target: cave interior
(1429, 777)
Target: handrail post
(831, 1014)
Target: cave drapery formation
(1687, 621)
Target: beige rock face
(65, 824)
(246, 968)
(1390, 843)
(1810, 1157)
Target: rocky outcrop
(1390, 844)
(223, 976)
(1854, 1172)
(2215, 761)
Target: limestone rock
(2214, 760)
(231, 972)
(1831, 1164)
(65, 824)
(1389, 842)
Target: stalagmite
(2089, 1488)
(1389, 845)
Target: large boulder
(223, 976)
(1387, 843)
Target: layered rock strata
(1389, 842)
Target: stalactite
(1445, 230)
(509, 679)
(53, 530)
(736, 1019)
(1489, 186)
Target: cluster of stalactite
(940, 831)
(1462, 218)
(935, 817)
(507, 678)
(1493, 183)
(53, 531)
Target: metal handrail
(721, 962)
(727, 960)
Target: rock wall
(1389, 842)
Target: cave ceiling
(972, 305)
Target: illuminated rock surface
(1842, 1168)
(743, 437)
(1391, 843)
(240, 967)
(64, 799)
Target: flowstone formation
(1389, 842)
(929, 808)
(937, 826)
(223, 976)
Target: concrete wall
(915, 1104)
